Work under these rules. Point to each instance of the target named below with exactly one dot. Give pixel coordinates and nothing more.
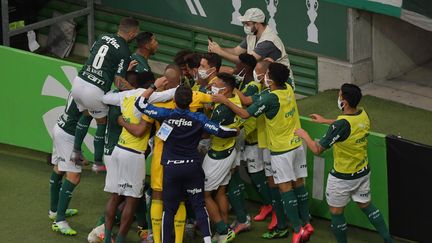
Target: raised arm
(218, 130)
(320, 119)
(242, 113)
(245, 100)
(314, 146)
(231, 54)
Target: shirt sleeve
(162, 96)
(150, 110)
(203, 98)
(268, 49)
(251, 90)
(114, 98)
(218, 130)
(123, 66)
(262, 105)
(243, 44)
(337, 132)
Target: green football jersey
(113, 129)
(142, 65)
(109, 56)
(69, 119)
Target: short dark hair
(351, 93)
(143, 38)
(248, 60)
(140, 80)
(213, 59)
(128, 24)
(179, 57)
(228, 79)
(193, 60)
(183, 96)
(279, 73)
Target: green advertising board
(307, 25)
(34, 94)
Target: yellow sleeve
(147, 119)
(203, 98)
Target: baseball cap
(254, 15)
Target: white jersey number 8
(100, 56)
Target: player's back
(182, 142)
(109, 55)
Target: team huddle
(201, 123)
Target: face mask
(267, 81)
(248, 30)
(215, 90)
(202, 73)
(255, 76)
(341, 105)
(238, 76)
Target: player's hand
(214, 47)
(269, 59)
(218, 98)
(132, 65)
(301, 133)
(120, 121)
(317, 118)
(161, 82)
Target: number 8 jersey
(109, 57)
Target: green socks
(278, 208)
(377, 220)
(55, 185)
(339, 227)
(303, 206)
(289, 200)
(260, 181)
(108, 235)
(236, 197)
(120, 238)
(140, 213)
(101, 220)
(99, 142)
(221, 228)
(81, 131)
(65, 197)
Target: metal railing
(7, 33)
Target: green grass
(387, 117)
(24, 177)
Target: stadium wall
(35, 89)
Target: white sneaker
(97, 234)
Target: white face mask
(248, 30)
(266, 81)
(255, 76)
(239, 78)
(341, 105)
(215, 90)
(202, 74)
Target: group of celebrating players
(201, 123)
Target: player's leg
(237, 201)
(362, 196)
(284, 175)
(156, 207)
(338, 196)
(172, 194)
(80, 133)
(179, 222)
(110, 214)
(255, 166)
(55, 185)
(99, 142)
(131, 185)
(194, 188)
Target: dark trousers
(183, 181)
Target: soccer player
(288, 159)
(126, 170)
(107, 63)
(183, 174)
(61, 193)
(278, 227)
(350, 176)
(147, 46)
(156, 178)
(209, 67)
(221, 157)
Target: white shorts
(289, 166)
(253, 156)
(266, 158)
(62, 149)
(89, 97)
(340, 191)
(217, 172)
(111, 172)
(130, 176)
